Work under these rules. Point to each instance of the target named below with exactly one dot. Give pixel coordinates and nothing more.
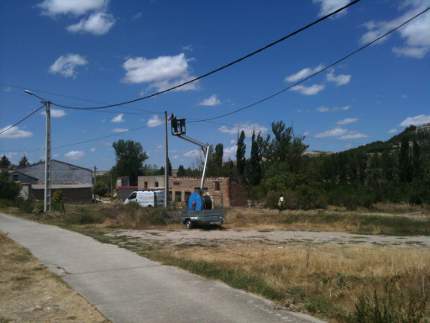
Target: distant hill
(421, 134)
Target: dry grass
(362, 221)
(325, 280)
(30, 293)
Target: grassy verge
(30, 293)
(338, 283)
(327, 220)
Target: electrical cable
(340, 60)
(20, 120)
(217, 69)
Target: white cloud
(119, 130)
(324, 109)
(416, 34)
(416, 121)
(92, 149)
(74, 7)
(303, 73)
(335, 132)
(392, 131)
(353, 135)
(137, 15)
(346, 121)
(98, 23)
(308, 90)
(56, 113)
(248, 128)
(340, 79)
(327, 6)
(14, 133)
(341, 133)
(194, 153)
(66, 65)
(154, 121)
(74, 154)
(414, 52)
(161, 72)
(230, 152)
(118, 118)
(211, 101)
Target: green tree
(218, 155)
(240, 154)
(4, 162)
(129, 159)
(23, 162)
(405, 166)
(253, 167)
(181, 171)
(8, 189)
(417, 168)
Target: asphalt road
(126, 287)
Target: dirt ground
(325, 274)
(278, 237)
(30, 293)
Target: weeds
(393, 304)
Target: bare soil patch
(30, 293)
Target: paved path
(126, 287)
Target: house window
(178, 196)
(156, 184)
(176, 183)
(145, 185)
(217, 186)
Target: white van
(146, 198)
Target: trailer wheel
(188, 224)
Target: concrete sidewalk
(126, 287)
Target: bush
(25, 206)
(84, 216)
(8, 189)
(57, 201)
(310, 198)
(101, 189)
(272, 199)
(37, 207)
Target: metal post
(166, 163)
(47, 193)
(202, 182)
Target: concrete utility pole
(47, 191)
(166, 162)
(47, 195)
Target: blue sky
(87, 52)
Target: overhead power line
(20, 120)
(91, 139)
(217, 69)
(340, 60)
(76, 98)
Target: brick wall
(181, 187)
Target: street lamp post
(47, 188)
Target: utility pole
(47, 191)
(47, 195)
(166, 162)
